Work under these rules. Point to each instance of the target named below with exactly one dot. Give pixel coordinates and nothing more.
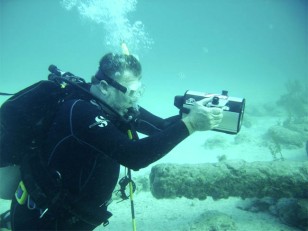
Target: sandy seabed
(179, 214)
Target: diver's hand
(202, 118)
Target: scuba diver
(86, 144)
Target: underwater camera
(233, 108)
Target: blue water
(250, 47)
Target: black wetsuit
(86, 146)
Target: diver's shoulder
(81, 104)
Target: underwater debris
(295, 101)
(256, 205)
(225, 179)
(293, 212)
(290, 211)
(217, 141)
(275, 149)
(213, 221)
(285, 137)
(293, 133)
(221, 157)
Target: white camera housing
(233, 108)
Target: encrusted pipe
(230, 179)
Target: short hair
(113, 66)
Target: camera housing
(233, 108)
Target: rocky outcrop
(213, 220)
(287, 138)
(290, 211)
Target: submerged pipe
(230, 179)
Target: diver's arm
(149, 124)
(107, 139)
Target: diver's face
(122, 101)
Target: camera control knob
(215, 100)
(225, 93)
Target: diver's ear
(103, 86)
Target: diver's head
(114, 65)
(119, 81)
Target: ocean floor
(180, 214)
